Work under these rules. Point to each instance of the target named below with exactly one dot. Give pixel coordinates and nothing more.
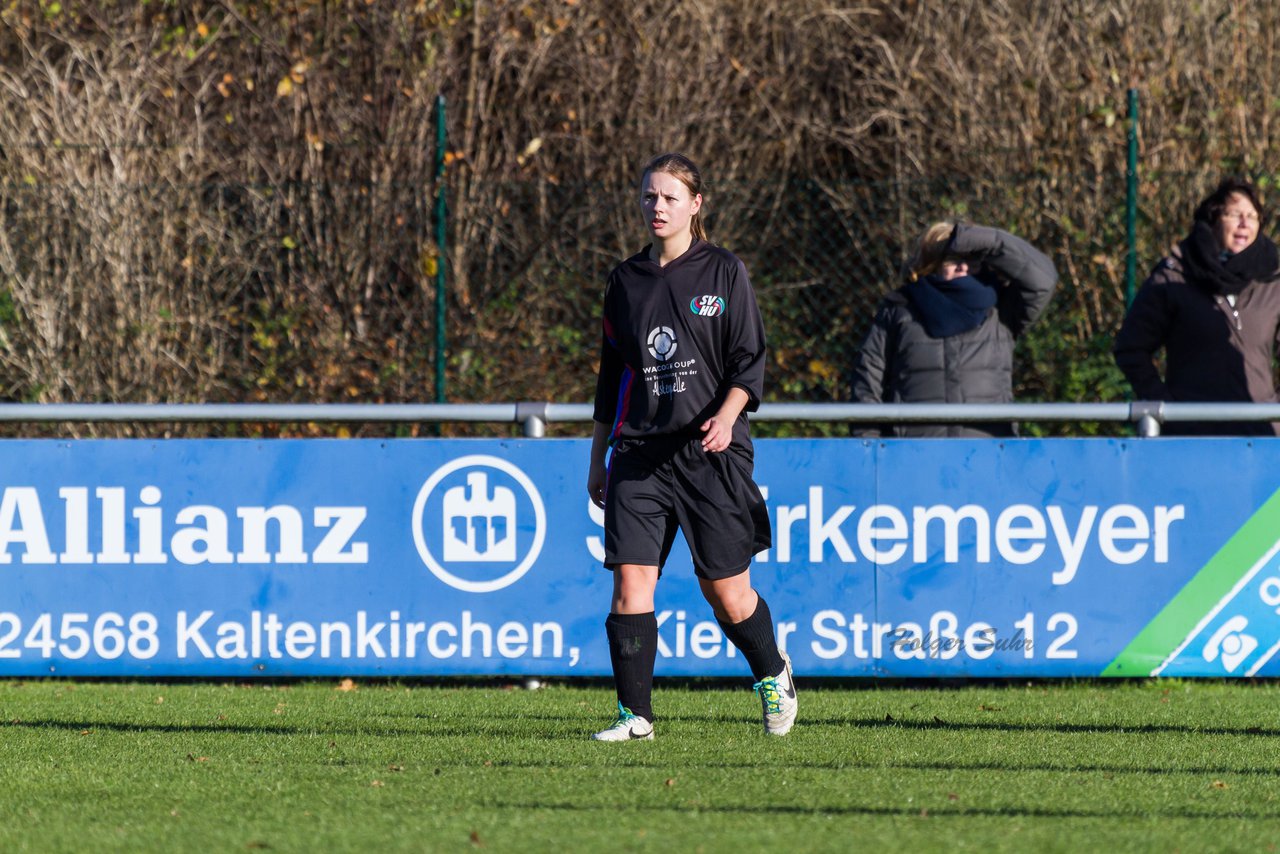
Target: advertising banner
(926, 558)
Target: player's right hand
(595, 485)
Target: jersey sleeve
(745, 345)
(609, 379)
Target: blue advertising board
(901, 558)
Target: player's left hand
(718, 435)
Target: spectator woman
(947, 334)
(1213, 307)
(681, 363)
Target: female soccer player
(681, 363)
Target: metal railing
(533, 416)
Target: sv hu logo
(708, 305)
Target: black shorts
(659, 485)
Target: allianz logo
(479, 523)
(110, 525)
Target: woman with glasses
(1213, 307)
(947, 335)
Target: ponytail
(930, 251)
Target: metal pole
(1131, 204)
(1148, 416)
(533, 417)
(441, 212)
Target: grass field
(1156, 766)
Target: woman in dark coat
(1213, 306)
(947, 335)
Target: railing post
(1148, 415)
(533, 418)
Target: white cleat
(778, 700)
(627, 727)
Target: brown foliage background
(233, 201)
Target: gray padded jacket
(900, 363)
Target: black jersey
(676, 339)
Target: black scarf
(1202, 259)
(948, 308)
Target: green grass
(1157, 766)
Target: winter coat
(899, 362)
(1214, 351)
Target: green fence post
(441, 212)
(1131, 203)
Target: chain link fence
(325, 291)
(821, 256)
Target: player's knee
(731, 601)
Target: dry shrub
(233, 200)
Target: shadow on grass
(210, 729)
(752, 711)
(635, 759)
(517, 726)
(898, 812)
(1060, 727)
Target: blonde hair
(930, 250)
(679, 166)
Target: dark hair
(1210, 210)
(687, 171)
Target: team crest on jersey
(708, 305)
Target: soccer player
(681, 363)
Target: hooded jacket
(899, 362)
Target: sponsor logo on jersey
(708, 305)
(662, 343)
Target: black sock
(633, 646)
(754, 637)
